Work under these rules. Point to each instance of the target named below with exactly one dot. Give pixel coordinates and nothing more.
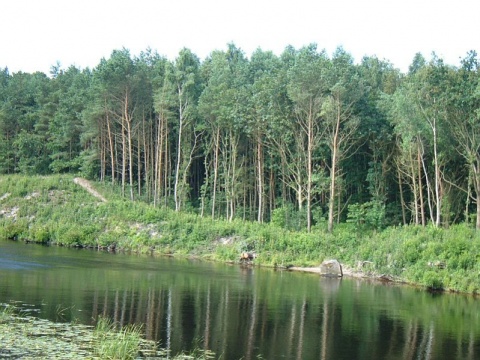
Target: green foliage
(369, 215)
(227, 253)
(41, 234)
(75, 235)
(432, 280)
(13, 230)
(288, 217)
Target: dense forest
(303, 139)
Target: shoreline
(60, 210)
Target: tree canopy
(304, 138)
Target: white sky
(35, 34)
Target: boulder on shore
(331, 268)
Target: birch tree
(307, 88)
(186, 83)
(340, 121)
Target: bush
(289, 218)
(412, 251)
(76, 235)
(14, 230)
(369, 215)
(227, 253)
(432, 280)
(40, 234)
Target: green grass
(56, 211)
(114, 343)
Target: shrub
(14, 230)
(76, 235)
(432, 280)
(40, 234)
(227, 253)
(411, 250)
(369, 215)
(289, 218)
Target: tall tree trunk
(103, 153)
(420, 186)
(430, 192)
(186, 169)
(145, 141)
(179, 155)
(203, 191)
(413, 178)
(167, 168)
(284, 183)
(112, 147)
(477, 191)
(310, 145)
(234, 174)
(402, 200)
(124, 158)
(139, 162)
(333, 171)
(271, 201)
(158, 156)
(215, 170)
(128, 123)
(260, 185)
(438, 196)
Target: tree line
(302, 139)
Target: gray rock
(331, 268)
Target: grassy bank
(55, 210)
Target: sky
(36, 34)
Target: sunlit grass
(114, 343)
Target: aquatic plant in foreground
(28, 337)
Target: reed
(113, 343)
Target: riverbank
(55, 210)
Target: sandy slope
(87, 186)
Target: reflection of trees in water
(246, 312)
(241, 323)
(423, 342)
(251, 331)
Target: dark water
(240, 312)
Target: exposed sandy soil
(87, 186)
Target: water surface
(240, 312)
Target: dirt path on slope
(88, 186)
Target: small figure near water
(247, 257)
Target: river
(238, 311)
